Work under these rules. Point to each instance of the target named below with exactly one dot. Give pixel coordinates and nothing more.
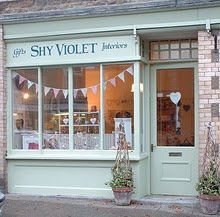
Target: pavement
(41, 206)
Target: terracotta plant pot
(122, 196)
(209, 204)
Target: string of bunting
(84, 91)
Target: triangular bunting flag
(46, 90)
(122, 76)
(75, 91)
(94, 89)
(84, 91)
(14, 75)
(36, 88)
(65, 93)
(56, 91)
(113, 82)
(30, 83)
(21, 79)
(130, 70)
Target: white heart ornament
(175, 97)
(93, 120)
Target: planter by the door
(209, 204)
(122, 196)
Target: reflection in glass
(55, 104)
(25, 109)
(175, 107)
(119, 103)
(86, 84)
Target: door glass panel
(175, 107)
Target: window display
(55, 112)
(118, 101)
(86, 84)
(83, 128)
(25, 109)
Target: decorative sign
(70, 51)
(127, 128)
(175, 97)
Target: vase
(122, 196)
(209, 204)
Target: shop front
(68, 97)
(68, 90)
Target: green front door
(173, 129)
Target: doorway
(174, 155)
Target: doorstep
(186, 201)
(42, 206)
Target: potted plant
(209, 183)
(122, 182)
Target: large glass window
(69, 103)
(175, 107)
(25, 109)
(55, 108)
(86, 107)
(118, 103)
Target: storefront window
(118, 103)
(86, 106)
(25, 109)
(55, 108)
(63, 90)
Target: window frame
(71, 153)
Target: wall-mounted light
(141, 88)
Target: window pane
(185, 54)
(86, 84)
(174, 54)
(194, 44)
(164, 45)
(174, 44)
(55, 103)
(185, 44)
(25, 109)
(154, 55)
(164, 55)
(154, 46)
(119, 104)
(175, 107)
(195, 53)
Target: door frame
(153, 125)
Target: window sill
(81, 156)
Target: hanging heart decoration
(93, 120)
(186, 108)
(66, 121)
(175, 97)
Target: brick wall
(3, 142)
(209, 89)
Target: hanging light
(26, 95)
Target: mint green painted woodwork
(172, 175)
(151, 19)
(70, 178)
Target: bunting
(122, 76)
(56, 91)
(84, 91)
